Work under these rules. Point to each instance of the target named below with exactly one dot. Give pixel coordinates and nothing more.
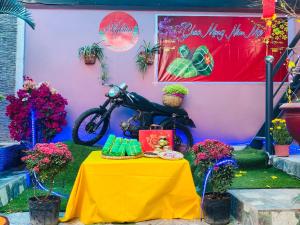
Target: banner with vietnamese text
(215, 49)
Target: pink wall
(231, 112)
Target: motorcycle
(92, 125)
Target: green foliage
(2, 97)
(175, 89)
(16, 8)
(205, 155)
(146, 56)
(280, 133)
(93, 49)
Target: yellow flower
(271, 128)
(278, 127)
(238, 175)
(242, 172)
(274, 177)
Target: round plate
(151, 154)
(171, 155)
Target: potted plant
(174, 94)
(90, 53)
(145, 57)
(46, 161)
(216, 204)
(282, 138)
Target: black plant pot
(216, 209)
(44, 211)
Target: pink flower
(202, 156)
(45, 160)
(36, 169)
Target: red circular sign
(119, 31)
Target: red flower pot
(282, 150)
(292, 117)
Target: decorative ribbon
(33, 141)
(221, 162)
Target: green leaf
(15, 8)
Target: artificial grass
(250, 158)
(253, 172)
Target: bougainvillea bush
(49, 108)
(48, 160)
(206, 154)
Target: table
(132, 190)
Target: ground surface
(23, 219)
(252, 173)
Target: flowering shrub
(280, 133)
(206, 154)
(48, 105)
(47, 160)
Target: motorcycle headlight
(113, 92)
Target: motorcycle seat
(169, 110)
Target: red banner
(214, 49)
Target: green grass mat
(253, 172)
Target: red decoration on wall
(213, 49)
(268, 15)
(119, 31)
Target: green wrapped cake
(203, 61)
(119, 148)
(200, 63)
(108, 144)
(181, 67)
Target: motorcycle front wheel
(183, 139)
(87, 130)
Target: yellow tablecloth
(132, 190)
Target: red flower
(49, 108)
(36, 169)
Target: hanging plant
(91, 53)
(145, 57)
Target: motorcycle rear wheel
(95, 135)
(179, 145)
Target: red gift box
(149, 138)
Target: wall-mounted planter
(10, 155)
(90, 59)
(292, 118)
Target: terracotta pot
(149, 58)
(282, 150)
(89, 59)
(4, 220)
(292, 117)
